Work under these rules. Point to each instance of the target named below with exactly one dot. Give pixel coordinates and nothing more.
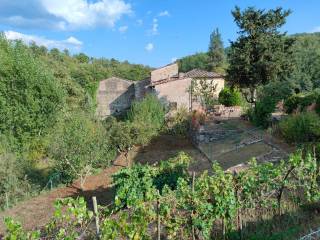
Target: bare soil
(34, 213)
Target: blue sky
(152, 32)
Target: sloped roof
(118, 79)
(198, 73)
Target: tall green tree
(216, 52)
(261, 53)
(198, 60)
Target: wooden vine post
(239, 217)
(95, 209)
(7, 201)
(158, 217)
(193, 230)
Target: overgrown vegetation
(301, 128)
(230, 97)
(47, 106)
(203, 207)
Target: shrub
(260, 115)
(78, 145)
(30, 98)
(300, 128)
(120, 134)
(141, 182)
(13, 183)
(300, 101)
(147, 119)
(230, 97)
(178, 122)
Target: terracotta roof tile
(198, 73)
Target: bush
(30, 98)
(147, 119)
(120, 134)
(78, 145)
(300, 101)
(141, 182)
(13, 183)
(230, 97)
(178, 123)
(260, 115)
(301, 128)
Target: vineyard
(167, 202)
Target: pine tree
(261, 53)
(216, 52)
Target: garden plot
(234, 142)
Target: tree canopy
(216, 52)
(261, 52)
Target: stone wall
(114, 96)
(175, 92)
(164, 72)
(141, 88)
(221, 111)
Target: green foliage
(82, 58)
(30, 98)
(71, 220)
(300, 128)
(79, 144)
(216, 52)
(134, 185)
(46, 100)
(230, 97)
(261, 53)
(306, 60)
(171, 170)
(120, 134)
(178, 123)
(147, 118)
(202, 203)
(141, 182)
(260, 115)
(198, 60)
(301, 101)
(15, 231)
(205, 91)
(14, 185)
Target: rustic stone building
(174, 88)
(115, 95)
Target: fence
(312, 235)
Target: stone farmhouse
(172, 87)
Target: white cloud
(155, 25)
(68, 14)
(316, 29)
(123, 29)
(71, 43)
(63, 14)
(149, 47)
(174, 59)
(164, 14)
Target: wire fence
(54, 180)
(312, 235)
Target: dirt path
(37, 211)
